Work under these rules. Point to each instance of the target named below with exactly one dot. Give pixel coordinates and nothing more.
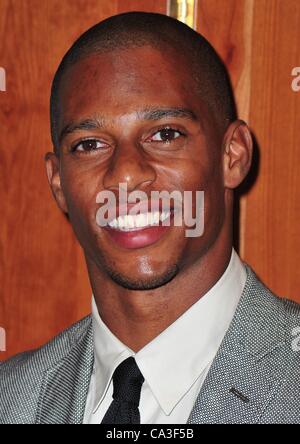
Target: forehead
(123, 81)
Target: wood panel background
(259, 40)
(43, 281)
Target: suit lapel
(243, 378)
(65, 387)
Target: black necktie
(128, 381)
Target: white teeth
(155, 217)
(129, 222)
(164, 215)
(113, 223)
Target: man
(181, 330)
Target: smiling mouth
(129, 223)
(138, 231)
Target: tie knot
(128, 381)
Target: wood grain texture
(227, 25)
(44, 285)
(259, 43)
(229, 29)
(272, 240)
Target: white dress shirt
(175, 363)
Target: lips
(141, 230)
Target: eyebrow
(99, 122)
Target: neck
(137, 317)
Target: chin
(143, 283)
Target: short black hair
(137, 29)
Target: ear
(237, 155)
(53, 174)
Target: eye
(88, 145)
(166, 135)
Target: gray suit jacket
(255, 377)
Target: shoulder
(52, 352)
(284, 358)
(266, 322)
(261, 352)
(21, 377)
(263, 303)
(271, 332)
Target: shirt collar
(109, 353)
(187, 346)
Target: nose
(129, 165)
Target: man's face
(143, 141)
